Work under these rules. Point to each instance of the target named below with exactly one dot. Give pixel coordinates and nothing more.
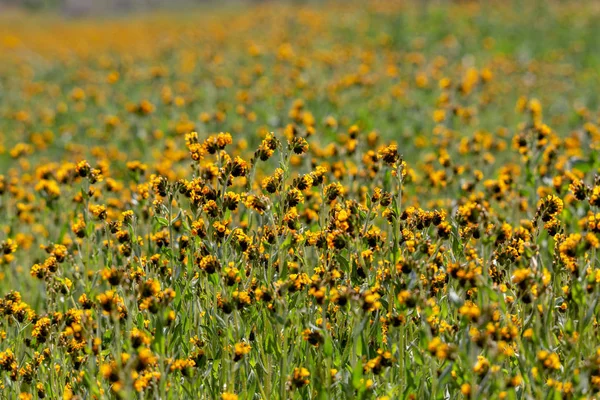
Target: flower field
(370, 200)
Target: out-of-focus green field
(373, 199)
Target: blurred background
(95, 7)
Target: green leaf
(140, 321)
(162, 221)
(343, 263)
(584, 166)
(159, 338)
(578, 294)
(359, 347)
(177, 217)
(328, 347)
(357, 374)
(214, 279)
(590, 313)
(270, 347)
(569, 328)
(417, 356)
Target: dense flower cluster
(315, 208)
